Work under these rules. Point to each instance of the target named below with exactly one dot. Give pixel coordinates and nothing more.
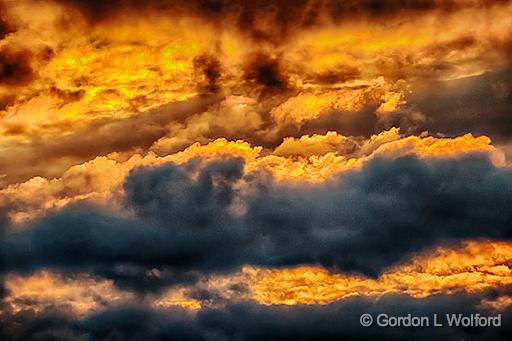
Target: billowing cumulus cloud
(310, 158)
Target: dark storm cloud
(49, 324)
(249, 321)
(340, 320)
(170, 194)
(131, 323)
(364, 221)
(372, 218)
(179, 219)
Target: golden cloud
(309, 158)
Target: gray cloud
(250, 321)
(363, 221)
(480, 105)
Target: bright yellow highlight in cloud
(474, 267)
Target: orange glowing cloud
(86, 74)
(473, 267)
(79, 295)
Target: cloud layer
(242, 170)
(214, 217)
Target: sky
(246, 170)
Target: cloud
(98, 180)
(307, 159)
(479, 104)
(337, 320)
(90, 80)
(5, 27)
(316, 145)
(249, 321)
(203, 153)
(75, 295)
(287, 15)
(215, 218)
(25, 160)
(264, 71)
(15, 68)
(471, 268)
(210, 69)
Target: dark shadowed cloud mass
(363, 222)
(249, 321)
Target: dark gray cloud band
(362, 221)
(250, 321)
